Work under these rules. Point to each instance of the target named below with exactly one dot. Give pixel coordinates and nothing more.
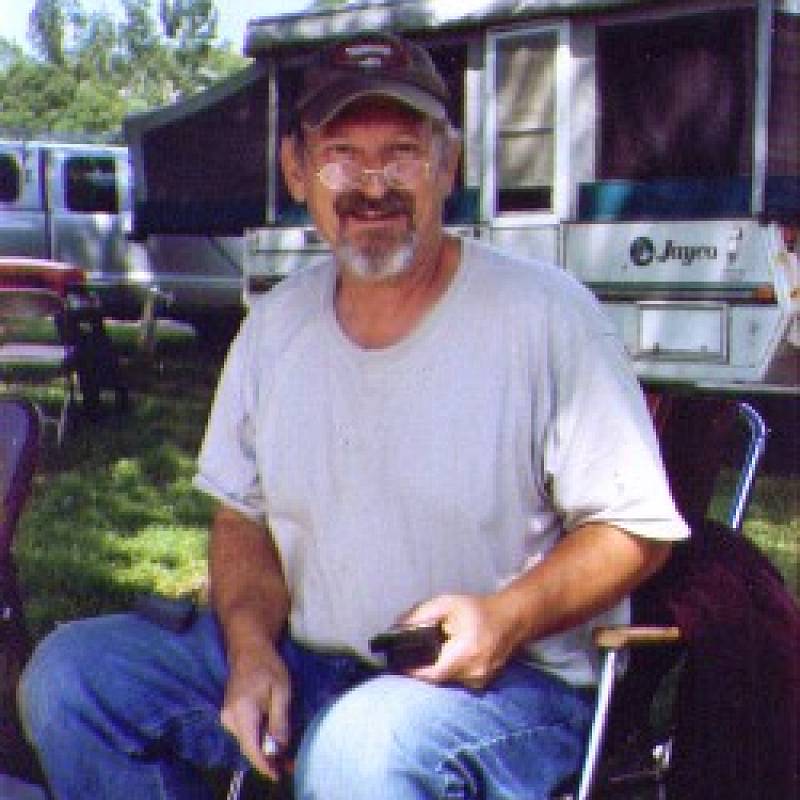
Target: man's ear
(449, 165)
(292, 167)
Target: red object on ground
(40, 273)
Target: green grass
(113, 513)
(773, 523)
(772, 520)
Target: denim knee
(51, 682)
(397, 737)
(365, 744)
(122, 679)
(108, 720)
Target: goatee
(377, 253)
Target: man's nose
(373, 182)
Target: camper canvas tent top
(200, 176)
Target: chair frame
(20, 427)
(30, 304)
(18, 466)
(613, 641)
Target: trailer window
(525, 139)
(91, 185)
(9, 178)
(783, 165)
(675, 98)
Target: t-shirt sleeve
(227, 467)
(601, 457)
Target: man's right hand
(256, 708)
(249, 596)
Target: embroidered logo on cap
(371, 64)
(370, 55)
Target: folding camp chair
(33, 340)
(696, 435)
(19, 444)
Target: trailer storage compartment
(701, 301)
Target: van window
(525, 135)
(91, 184)
(9, 178)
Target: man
(418, 428)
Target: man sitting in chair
(417, 429)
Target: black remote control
(409, 646)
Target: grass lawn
(114, 514)
(773, 523)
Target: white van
(72, 203)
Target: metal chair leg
(605, 690)
(235, 788)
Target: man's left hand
(479, 640)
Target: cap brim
(330, 100)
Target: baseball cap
(371, 65)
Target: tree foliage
(88, 70)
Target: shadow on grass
(113, 512)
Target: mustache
(356, 204)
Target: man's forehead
(373, 111)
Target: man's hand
(589, 570)
(256, 708)
(478, 641)
(249, 596)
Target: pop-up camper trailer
(650, 148)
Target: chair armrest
(610, 640)
(619, 637)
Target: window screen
(526, 113)
(91, 184)
(784, 106)
(675, 97)
(204, 169)
(9, 178)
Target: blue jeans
(117, 707)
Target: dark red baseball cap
(371, 65)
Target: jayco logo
(643, 252)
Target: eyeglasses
(340, 176)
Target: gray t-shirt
(448, 462)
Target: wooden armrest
(617, 637)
